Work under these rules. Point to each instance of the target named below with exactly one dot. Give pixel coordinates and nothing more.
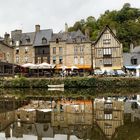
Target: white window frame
(17, 43)
(81, 60)
(17, 59)
(75, 60)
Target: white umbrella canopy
(44, 65)
(35, 66)
(28, 65)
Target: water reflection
(67, 118)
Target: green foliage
(126, 22)
(85, 82)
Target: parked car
(98, 72)
(109, 72)
(120, 73)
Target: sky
(52, 14)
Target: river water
(71, 114)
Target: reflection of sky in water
(61, 137)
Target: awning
(116, 68)
(130, 67)
(84, 66)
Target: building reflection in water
(99, 118)
(108, 115)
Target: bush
(102, 82)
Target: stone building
(23, 46)
(107, 51)
(41, 45)
(6, 52)
(70, 49)
(67, 49)
(6, 56)
(31, 47)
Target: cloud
(24, 14)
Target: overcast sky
(24, 14)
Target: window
(17, 59)
(99, 52)
(26, 59)
(134, 61)
(11, 43)
(108, 116)
(107, 125)
(54, 59)
(26, 49)
(75, 50)
(17, 43)
(54, 50)
(60, 59)
(108, 105)
(82, 49)
(43, 51)
(107, 62)
(107, 51)
(75, 60)
(81, 60)
(57, 40)
(45, 59)
(106, 41)
(7, 56)
(60, 50)
(17, 50)
(39, 60)
(28, 40)
(44, 40)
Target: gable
(107, 39)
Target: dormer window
(17, 43)
(57, 40)
(28, 40)
(20, 42)
(11, 43)
(134, 61)
(44, 40)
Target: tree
(126, 21)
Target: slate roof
(47, 34)
(23, 38)
(128, 56)
(70, 37)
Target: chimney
(66, 27)
(131, 47)
(16, 33)
(7, 38)
(37, 28)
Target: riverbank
(74, 82)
